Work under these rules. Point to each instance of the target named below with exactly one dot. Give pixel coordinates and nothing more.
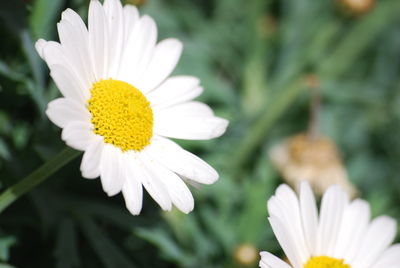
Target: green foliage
(252, 57)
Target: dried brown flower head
(316, 160)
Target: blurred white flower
(342, 236)
(120, 106)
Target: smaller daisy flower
(342, 236)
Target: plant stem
(257, 132)
(37, 177)
(315, 106)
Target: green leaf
(43, 17)
(108, 253)
(66, 250)
(3, 265)
(165, 243)
(5, 244)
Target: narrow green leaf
(109, 253)
(5, 244)
(43, 16)
(66, 250)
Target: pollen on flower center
(325, 262)
(121, 114)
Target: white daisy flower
(120, 106)
(342, 236)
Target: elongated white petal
(270, 261)
(163, 62)
(67, 83)
(112, 170)
(132, 188)
(131, 17)
(74, 41)
(98, 40)
(39, 46)
(285, 206)
(378, 237)
(115, 19)
(62, 111)
(153, 184)
(90, 165)
(179, 193)
(189, 127)
(309, 215)
(332, 206)
(352, 230)
(184, 163)
(138, 51)
(78, 46)
(175, 90)
(389, 258)
(53, 53)
(78, 135)
(191, 108)
(285, 240)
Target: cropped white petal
(182, 162)
(132, 188)
(112, 167)
(270, 261)
(78, 135)
(90, 165)
(162, 63)
(175, 90)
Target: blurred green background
(252, 58)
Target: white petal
(90, 165)
(378, 237)
(78, 135)
(74, 40)
(184, 163)
(309, 215)
(62, 111)
(352, 230)
(115, 19)
(77, 22)
(39, 46)
(163, 62)
(67, 83)
(132, 188)
(285, 206)
(175, 90)
(98, 40)
(112, 168)
(131, 17)
(271, 261)
(179, 193)
(138, 51)
(153, 184)
(170, 123)
(333, 204)
(191, 108)
(53, 53)
(389, 258)
(285, 240)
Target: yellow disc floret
(121, 114)
(325, 262)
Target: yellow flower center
(121, 114)
(325, 262)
